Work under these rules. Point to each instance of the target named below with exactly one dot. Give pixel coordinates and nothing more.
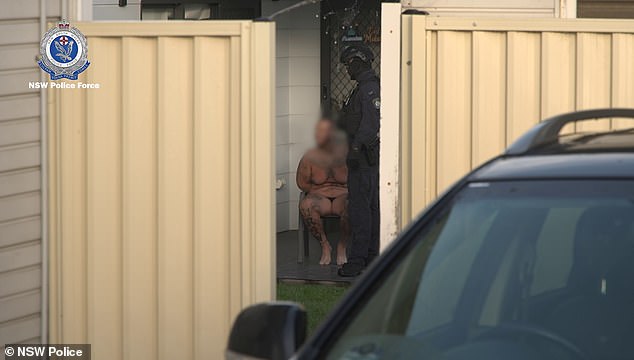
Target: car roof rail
(547, 131)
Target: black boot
(351, 269)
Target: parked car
(530, 256)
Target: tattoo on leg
(309, 221)
(314, 229)
(312, 218)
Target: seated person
(322, 175)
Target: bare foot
(326, 251)
(341, 254)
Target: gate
(161, 188)
(470, 87)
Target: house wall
(161, 188)
(469, 88)
(297, 86)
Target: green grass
(317, 299)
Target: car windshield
(509, 270)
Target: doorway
(311, 83)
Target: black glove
(354, 159)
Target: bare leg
(340, 207)
(312, 207)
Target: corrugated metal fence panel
(20, 209)
(162, 224)
(485, 82)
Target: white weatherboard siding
(297, 107)
(20, 197)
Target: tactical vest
(350, 118)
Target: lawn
(317, 299)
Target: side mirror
(272, 331)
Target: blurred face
(323, 130)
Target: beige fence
(161, 186)
(470, 87)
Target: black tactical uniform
(360, 118)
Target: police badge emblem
(63, 52)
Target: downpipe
(44, 191)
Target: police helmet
(361, 52)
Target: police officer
(360, 120)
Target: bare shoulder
(312, 156)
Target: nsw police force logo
(63, 51)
